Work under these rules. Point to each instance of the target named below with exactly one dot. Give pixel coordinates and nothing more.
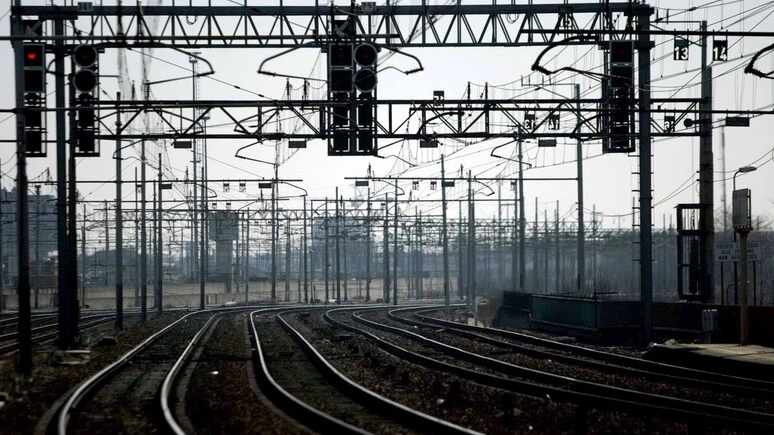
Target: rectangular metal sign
(730, 251)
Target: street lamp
(743, 170)
(743, 227)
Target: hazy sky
(610, 181)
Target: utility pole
(306, 251)
(706, 178)
(470, 294)
(368, 246)
(644, 46)
(143, 241)
(514, 237)
(325, 258)
(119, 227)
(344, 241)
(395, 248)
(37, 244)
(83, 256)
(536, 252)
(522, 220)
(445, 238)
(107, 245)
(460, 256)
(386, 284)
(67, 325)
(338, 253)
(420, 259)
(247, 255)
(287, 258)
(159, 245)
(274, 234)
(581, 286)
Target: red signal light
(34, 55)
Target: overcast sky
(610, 180)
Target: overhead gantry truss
(399, 26)
(398, 119)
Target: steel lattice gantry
(279, 26)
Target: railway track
(46, 330)
(299, 377)
(585, 395)
(122, 397)
(356, 370)
(587, 357)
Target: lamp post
(741, 170)
(743, 225)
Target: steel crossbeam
(280, 26)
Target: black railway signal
(351, 91)
(365, 58)
(34, 66)
(619, 121)
(85, 80)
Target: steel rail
(171, 377)
(602, 363)
(370, 398)
(300, 410)
(585, 394)
(642, 364)
(88, 385)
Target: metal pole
(725, 189)
(420, 258)
(66, 337)
(327, 260)
(744, 322)
(287, 257)
(444, 236)
(203, 246)
(72, 256)
(24, 362)
(107, 246)
(136, 242)
(460, 257)
(306, 260)
(344, 241)
(37, 244)
(386, 279)
(514, 253)
(581, 285)
(274, 235)
(119, 227)
(522, 221)
(473, 250)
(83, 257)
(368, 246)
(706, 178)
(500, 253)
(395, 248)
(247, 254)
(336, 246)
(536, 252)
(159, 248)
(143, 241)
(646, 200)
